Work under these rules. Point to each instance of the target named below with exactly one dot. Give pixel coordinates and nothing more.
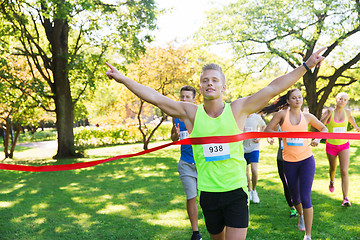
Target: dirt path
(44, 144)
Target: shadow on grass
(270, 218)
(139, 198)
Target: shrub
(356, 116)
(86, 137)
(39, 135)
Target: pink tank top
(295, 149)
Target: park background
(54, 88)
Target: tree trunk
(315, 107)
(63, 99)
(146, 143)
(7, 138)
(13, 143)
(311, 96)
(143, 133)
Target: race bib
(339, 130)
(216, 152)
(183, 135)
(294, 142)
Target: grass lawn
(142, 198)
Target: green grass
(142, 198)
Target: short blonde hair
(213, 66)
(340, 94)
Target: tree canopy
(64, 43)
(268, 35)
(166, 69)
(17, 107)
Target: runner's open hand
(315, 59)
(113, 73)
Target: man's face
(211, 84)
(187, 96)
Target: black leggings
(280, 165)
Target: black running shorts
(222, 209)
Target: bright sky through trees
(182, 19)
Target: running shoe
(306, 237)
(250, 195)
(196, 236)
(331, 186)
(301, 223)
(293, 212)
(346, 202)
(255, 197)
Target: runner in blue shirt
(186, 166)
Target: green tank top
(337, 127)
(221, 167)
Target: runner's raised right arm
(173, 108)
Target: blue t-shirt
(186, 150)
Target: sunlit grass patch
(7, 204)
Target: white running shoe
(255, 197)
(301, 223)
(306, 237)
(250, 195)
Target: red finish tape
(193, 141)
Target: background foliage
(270, 37)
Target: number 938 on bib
(216, 152)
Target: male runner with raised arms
(223, 194)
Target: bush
(39, 135)
(86, 137)
(356, 116)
